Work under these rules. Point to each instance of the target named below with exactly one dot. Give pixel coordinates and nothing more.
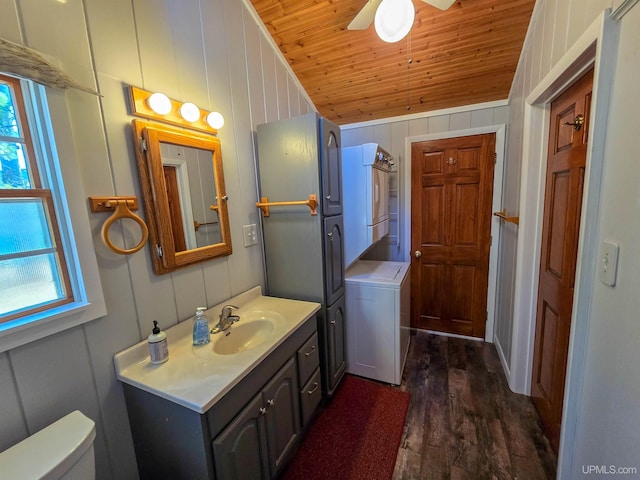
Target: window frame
(46, 113)
(38, 191)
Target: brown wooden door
(561, 223)
(451, 193)
(175, 213)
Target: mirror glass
(185, 199)
(192, 197)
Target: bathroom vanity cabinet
(251, 432)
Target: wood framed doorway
(597, 48)
(566, 165)
(451, 202)
(499, 129)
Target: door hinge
(143, 145)
(491, 240)
(495, 158)
(159, 250)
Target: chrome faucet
(226, 319)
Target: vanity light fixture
(157, 106)
(159, 103)
(190, 112)
(215, 120)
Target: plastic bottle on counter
(201, 334)
(158, 350)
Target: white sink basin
(196, 377)
(243, 336)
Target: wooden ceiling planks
(465, 55)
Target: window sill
(28, 329)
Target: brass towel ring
(122, 207)
(122, 211)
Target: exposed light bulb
(190, 112)
(215, 120)
(394, 19)
(159, 103)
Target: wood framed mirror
(184, 195)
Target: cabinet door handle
(313, 349)
(332, 322)
(263, 411)
(271, 402)
(328, 197)
(330, 234)
(313, 390)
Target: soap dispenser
(201, 334)
(158, 350)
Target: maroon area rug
(356, 437)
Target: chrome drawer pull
(263, 411)
(313, 390)
(313, 349)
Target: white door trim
(596, 47)
(500, 132)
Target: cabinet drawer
(308, 359)
(310, 397)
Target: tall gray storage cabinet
(304, 253)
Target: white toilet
(61, 451)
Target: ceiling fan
(393, 18)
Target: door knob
(417, 254)
(576, 124)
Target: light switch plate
(609, 263)
(250, 235)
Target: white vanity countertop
(197, 377)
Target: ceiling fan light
(394, 19)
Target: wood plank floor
(463, 420)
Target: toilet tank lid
(52, 451)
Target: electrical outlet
(250, 235)
(609, 263)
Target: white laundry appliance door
(377, 319)
(372, 333)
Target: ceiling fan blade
(365, 16)
(441, 4)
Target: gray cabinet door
(240, 451)
(334, 258)
(280, 396)
(336, 349)
(331, 168)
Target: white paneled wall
(210, 52)
(391, 135)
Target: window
(33, 271)
(42, 271)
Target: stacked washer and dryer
(377, 293)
